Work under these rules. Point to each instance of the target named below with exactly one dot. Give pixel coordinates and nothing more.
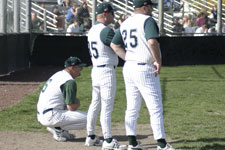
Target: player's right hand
(157, 68)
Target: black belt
(100, 66)
(141, 63)
(45, 111)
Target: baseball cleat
(168, 147)
(137, 147)
(57, 134)
(114, 145)
(93, 142)
(67, 135)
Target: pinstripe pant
(140, 81)
(103, 94)
(66, 120)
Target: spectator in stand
(120, 20)
(73, 29)
(223, 26)
(201, 31)
(188, 29)
(177, 27)
(201, 19)
(212, 30)
(42, 5)
(186, 20)
(72, 13)
(213, 16)
(64, 5)
(174, 5)
(56, 11)
(188, 23)
(168, 3)
(83, 12)
(36, 24)
(58, 20)
(85, 26)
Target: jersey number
(46, 85)
(132, 36)
(94, 50)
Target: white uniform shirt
(199, 31)
(101, 53)
(73, 29)
(51, 95)
(132, 31)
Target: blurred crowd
(69, 15)
(200, 24)
(73, 17)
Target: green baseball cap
(104, 7)
(74, 61)
(140, 3)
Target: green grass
(193, 99)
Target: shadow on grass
(118, 137)
(212, 146)
(217, 73)
(163, 89)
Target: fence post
(45, 19)
(219, 17)
(126, 6)
(3, 16)
(94, 5)
(28, 16)
(16, 16)
(161, 16)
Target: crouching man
(58, 103)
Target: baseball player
(57, 105)
(103, 76)
(138, 34)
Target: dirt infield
(16, 85)
(10, 140)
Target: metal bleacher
(191, 7)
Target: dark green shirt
(151, 29)
(69, 90)
(106, 35)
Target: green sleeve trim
(151, 29)
(118, 39)
(69, 90)
(106, 35)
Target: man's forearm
(73, 107)
(155, 50)
(118, 50)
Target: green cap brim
(82, 65)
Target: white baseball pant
(103, 94)
(65, 119)
(140, 81)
